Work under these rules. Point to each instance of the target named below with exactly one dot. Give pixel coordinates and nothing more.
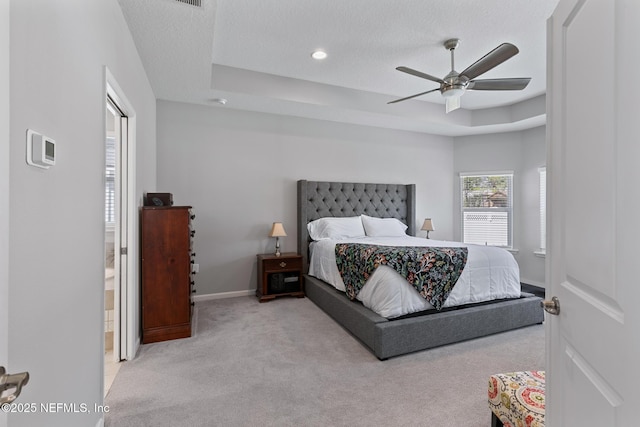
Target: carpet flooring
(286, 363)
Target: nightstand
(279, 276)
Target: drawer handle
(283, 264)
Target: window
(110, 185)
(487, 208)
(543, 209)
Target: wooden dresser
(166, 259)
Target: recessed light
(220, 101)
(319, 54)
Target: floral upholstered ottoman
(516, 399)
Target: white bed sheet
(490, 273)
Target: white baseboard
(222, 295)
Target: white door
(593, 234)
(122, 238)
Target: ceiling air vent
(196, 3)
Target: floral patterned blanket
(432, 271)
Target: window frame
(508, 209)
(109, 180)
(542, 180)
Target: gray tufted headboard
(318, 199)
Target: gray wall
(239, 171)
(56, 263)
(522, 152)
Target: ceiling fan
(455, 84)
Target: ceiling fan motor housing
(453, 85)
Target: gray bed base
(388, 338)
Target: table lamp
(427, 226)
(277, 231)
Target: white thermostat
(41, 150)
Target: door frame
(127, 330)
(5, 138)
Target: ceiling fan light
(453, 92)
(452, 103)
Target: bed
(388, 337)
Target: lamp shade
(427, 225)
(277, 230)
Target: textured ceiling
(256, 54)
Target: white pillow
(336, 228)
(387, 227)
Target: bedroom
(57, 215)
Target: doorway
(115, 233)
(120, 219)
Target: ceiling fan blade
(492, 59)
(453, 103)
(412, 96)
(499, 84)
(419, 74)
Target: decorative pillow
(336, 228)
(387, 227)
